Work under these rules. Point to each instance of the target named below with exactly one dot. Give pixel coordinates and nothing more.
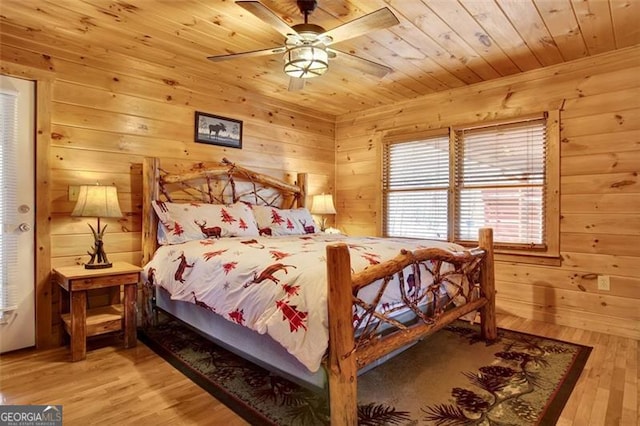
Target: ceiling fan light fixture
(307, 47)
(306, 61)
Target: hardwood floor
(113, 386)
(135, 386)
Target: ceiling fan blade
(252, 53)
(362, 64)
(381, 18)
(264, 13)
(296, 84)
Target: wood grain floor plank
(591, 377)
(631, 399)
(616, 389)
(571, 408)
(603, 391)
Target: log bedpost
(150, 175)
(303, 184)
(342, 370)
(487, 283)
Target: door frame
(46, 336)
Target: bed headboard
(225, 183)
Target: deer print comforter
(273, 285)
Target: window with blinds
(448, 186)
(499, 182)
(8, 215)
(416, 185)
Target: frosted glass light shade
(306, 61)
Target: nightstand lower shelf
(104, 319)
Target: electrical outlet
(603, 282)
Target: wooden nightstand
(81, 322)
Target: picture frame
(217, 130)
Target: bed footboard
(471, 271)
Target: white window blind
(416, 181)
(500, 176)
(8, 213)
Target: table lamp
(97, 201)
(323, 205)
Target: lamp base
(98, 257)
(97, 265)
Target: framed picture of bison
(216, 130)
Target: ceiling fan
(306, 46)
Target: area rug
(450, 378)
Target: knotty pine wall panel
(599, 184)
(108, 113)
(128, 127)
(621, 245)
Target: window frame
(550, 253)
(411, 137)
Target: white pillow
(181, 222)
(275, 221)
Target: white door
(17, 291)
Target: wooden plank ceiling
(438, 45)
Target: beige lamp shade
(323, 204)
(97, 201)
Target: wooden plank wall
(600, 190)
(108, 111)
(106, 115)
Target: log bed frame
(347, 351)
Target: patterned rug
(451, 378)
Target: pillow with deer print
(275, 221)
(194, 221)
